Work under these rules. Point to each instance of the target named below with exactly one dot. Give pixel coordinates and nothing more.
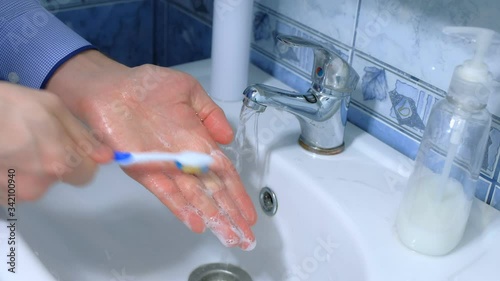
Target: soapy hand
(43, 143)
(149, 108)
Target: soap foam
(217, 228)
(215, 223)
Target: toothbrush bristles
(191, 169)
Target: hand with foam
(150, 108)
(43, 143)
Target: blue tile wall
(184, 36)
(396, 46)
(160, 43)
(201, 9)
(122, 30)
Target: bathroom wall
(135, 32)
(396, 46)
(122, 29)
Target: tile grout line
(154, 12)
(492, 196)
(90, 5)
(438, 92)
(190, 13)
(306, 29)
(491, 191)
(387, 121)
(355, 33)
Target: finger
(235, 188)
(222, 228)
(169, 194)
(218, 192)
(80, 169)
(81, 175)
(215, 218)
(212, 116)
(63, 161)
(87, 144)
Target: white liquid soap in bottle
(436, 206)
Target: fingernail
(248, 246)
(229, 242)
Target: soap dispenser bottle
(437, 202)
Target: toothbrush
(188, 161)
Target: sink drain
(219, 272)
(268, 201)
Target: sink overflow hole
(268, 201)
(219, 272)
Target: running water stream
(244, 149)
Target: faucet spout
(259, 96)
(322, 117)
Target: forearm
(34, 43)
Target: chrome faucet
(322, 110)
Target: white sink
(334, 221)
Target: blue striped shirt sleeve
(34, 43)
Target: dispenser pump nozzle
(473, 70)
(471, 80)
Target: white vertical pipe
(232, 26)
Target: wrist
(83, 77)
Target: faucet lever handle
(330, 70)
(296, 41)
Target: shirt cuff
(34, 44)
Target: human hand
(150, 108)
(44, 143)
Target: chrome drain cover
(268, 201)
(219, 272)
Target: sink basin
(334, 220)
(115, 227)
